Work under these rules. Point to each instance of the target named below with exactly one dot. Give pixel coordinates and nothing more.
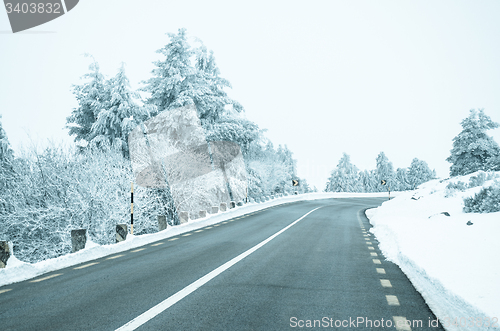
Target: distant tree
(367, 181)
(419, 173)
(473, 149)
(344, 178)
(385, 171)
(91, 97)
(401, 180)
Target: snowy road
(320, 270)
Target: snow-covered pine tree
(385, 171)
(173, 75)
(418, 173)
(473, 149)
(120, 115)
(344, 178)
(210, 98)
(91, 99)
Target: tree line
(473, 150)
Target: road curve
(270, 270)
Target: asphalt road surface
(270, 270)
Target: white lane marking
(45, 278)
(173, 239)
(157, 244)
(138, 250)
(187, 234)
(86, 265)
(369, 243)
(165, 304)
(217, 225)
(385, 283)
(367, 238)
(6, 290)
(380, 270)
(401, 323)
(373, 254)
(208, 227)
(392, 300)
(115, 257)
(199, 231)
(370, 247)
(377, 261)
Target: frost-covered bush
(453, 187)
(55, 191)
(486, 201)
(478, 180)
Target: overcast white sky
(324, 77)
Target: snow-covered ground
(453, 265)
(17, 271)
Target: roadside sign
(295, 182)
(383, 182)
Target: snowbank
(453, 265)
(17, 271)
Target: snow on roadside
(453, 265)
(17, 271)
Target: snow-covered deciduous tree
(367, 181)
(344, 178)
(473, 149)
(385, 171)
(56, 191)
(418, 173)
(6, 152)
(401, 180)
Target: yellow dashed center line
(115, 257)
(385, 283)
(45, 278)
(392, 300)
(381, 270)
(173, 239)
(6, 290)
(157, 244)
(86, 265)
(138, 250)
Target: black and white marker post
(132, 208)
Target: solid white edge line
(165, 304)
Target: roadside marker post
(132, 208)
(383, 182)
